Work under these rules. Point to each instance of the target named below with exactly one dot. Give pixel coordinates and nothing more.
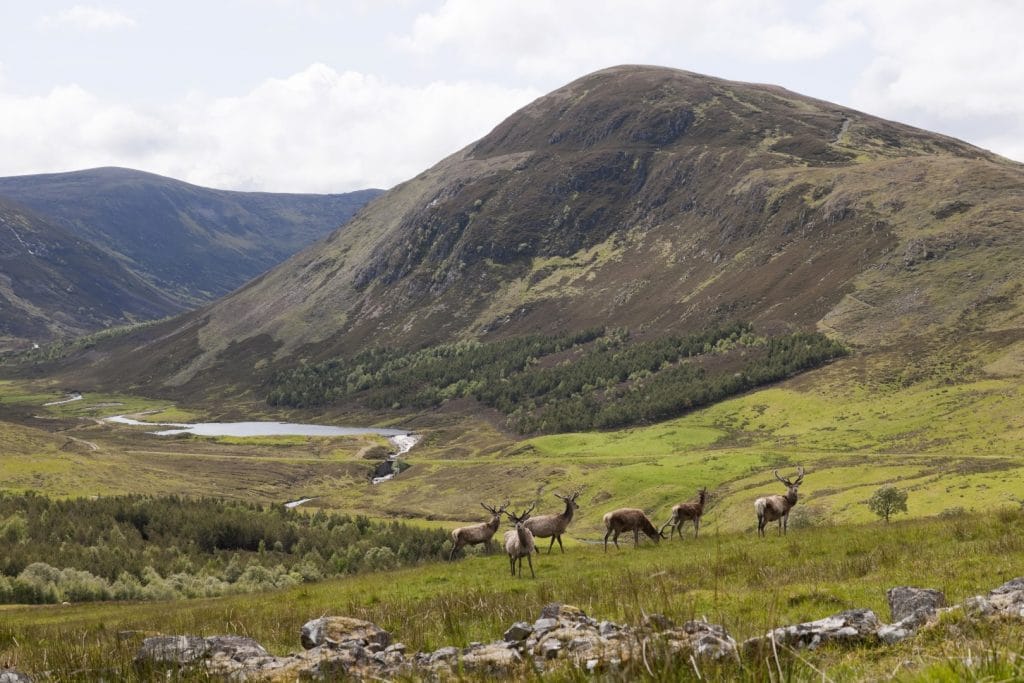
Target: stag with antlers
(553, 526)
(519, 542)
(777, 507)
(478, 533)
(683, 512)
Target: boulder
(518, 632)
(701, 639)
(336, 630)
(906, 601)
(1008, 599)
(493, 658)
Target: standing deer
(777, 507)
(554, 526)
(519, 542)
(477, 533)
(687, 511)
(629, 519)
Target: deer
(519, 542)
(477, 533)
(777, 507)
(629, 519)
(553, 526)
(682, 512)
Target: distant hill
(192, 244)
(54, 284)
(649, 198)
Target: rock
(978, 606)
(336, 630)
(658, 622)
(236, 647)
(172, 650)
(894, 633)
(445, 654)
(556, 610)
(855, 625)
(544, 624)
(12, 676)
(702, 639)
(1010, 586)
(607, 628)
(495, 658)
(550, 648)
(518, 632)
(1008, 599)
(905, 601)
(396, 647)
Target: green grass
(747, 584)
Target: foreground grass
(747, 584)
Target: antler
(527, 513)
(487, 507)
(576, 493)
(787, 482)
(799, 475)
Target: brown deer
(477, 533)
(683, 512)
(519, 542)
(553, 526)
(777, 507)
(629, 519)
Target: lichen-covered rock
(518, 632)
(12, 676)
(328, 630)
(851, 626)
(1008, 599)
(172, 650)
(906, 601)
(492, 658)
(702, 639)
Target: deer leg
(785, 522)
(636, 537)
(455, 547)
(615, 539)
(560, 546)
(606, 540)
(530, 561)
(551, 545)
(780, 526)
(696, 527)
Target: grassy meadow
(948, 431)
(747, 584)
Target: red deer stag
(477, 533)
(777, 507)
(683, 512)
(519, 542)
(553, 526)
(629, 519)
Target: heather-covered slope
(54, 284)
(193, 243)
(645, 197)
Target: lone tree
(887, 501)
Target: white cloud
(316, 131)
(950, 66)
(88, 18)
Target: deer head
(570, 500)
(792, 485)
(495, 511)
(522, 517)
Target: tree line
(139, 547)
(595, 379)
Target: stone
(494, 658)
(12, 676)
(172, 650)
(395, 647)
(894, 633)
(855, 625)
(445, 654)
(550, 648)
(1008, 599)
(518, 632)
(978, 606)
(657, 622)
(607, 628)
(544, 624)
(905, 601)
(235, 647)
(342, 629)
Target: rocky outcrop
(343, 646)
(562, 636)
(12, 676)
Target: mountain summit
(645, 197)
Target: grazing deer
(477, 533)
(519, 542)
(771, 508)
(553, 526)
(629, 519)
(687, 511)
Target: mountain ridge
(651, 198)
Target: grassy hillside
(747, 584)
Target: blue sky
(318, 96)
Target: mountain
(191, 243)
(646, 197)
(55, 284)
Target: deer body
(519, 543)
(629, 519)
(777, 507)
(683, 512)
(477, 533)
(553, 526)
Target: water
(69, 399)
(242, 429)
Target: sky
(338, 95)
